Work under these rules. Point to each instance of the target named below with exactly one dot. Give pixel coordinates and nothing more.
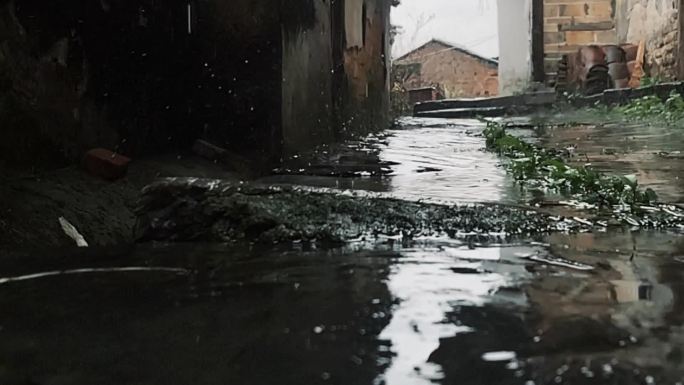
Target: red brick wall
(569, 24)
(454, 72)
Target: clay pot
(597, 80)
(621, 83)
(618, 71)
(614, 54)
(592, 55)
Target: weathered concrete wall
(363, 99)
(515, 46)
(655, 22)
(258, 77)
(136, 76)
(335, 72)
(307, 109)
(456, 73)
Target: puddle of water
(434, 312)
(458, 169)
(651, 152)
(428, 285)
(429, 159)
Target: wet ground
(602, 308)
(655, 153)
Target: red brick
(106, 164)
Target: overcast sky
(469, 23)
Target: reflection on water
(429, 283)
(429, 159)
(434, 312)
(444, 161)
(652, 152)
(631, 291)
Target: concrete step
(459, 106)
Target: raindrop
(498, 356)
(607, 370)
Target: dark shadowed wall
(259, 77)
(137, 76)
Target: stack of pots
(616, 59)
(594, 74)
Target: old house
(260, 77)
(535, 34)
(452, 70)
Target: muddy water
(487, 311)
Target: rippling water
(444, 161)
(431, 312)
(429, 283)
(429, 159)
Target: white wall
(515, 46)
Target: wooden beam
(680, 43)
(538, 73)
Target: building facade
(260, 77)
(455, 72)
(567, 25)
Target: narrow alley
(304, 210)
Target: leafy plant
(650, 81)
(546, 168)
(652, 107)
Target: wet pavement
(420, 159)
(655, 153)
(588, 308)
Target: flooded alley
(343, 192)
(566, 308)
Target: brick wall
(655, 22)
(569, 24)
(455, 72)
